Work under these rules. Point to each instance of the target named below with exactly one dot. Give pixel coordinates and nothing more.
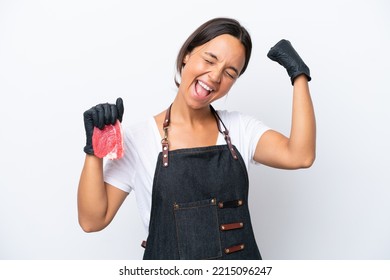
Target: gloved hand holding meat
(103, 130)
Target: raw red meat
(108, 141)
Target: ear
(186, 58)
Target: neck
(182, 113)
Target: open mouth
(202, 90)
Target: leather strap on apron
(165, 143)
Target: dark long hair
(208, 31)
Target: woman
(193, 199)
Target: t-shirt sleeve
(120, 173)
(253, 129)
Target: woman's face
(211, 69)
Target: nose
(215, 74)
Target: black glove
(284, 53)
(99, 116)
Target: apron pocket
(197, 230)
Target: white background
(59, 58)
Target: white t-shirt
(142, 144)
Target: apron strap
(165, 143)
(225, 133)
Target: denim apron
(200, 203)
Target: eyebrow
(215, 57)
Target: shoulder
(139, 126)
(142, 137)
(243, 127)
(245, 131)
(236, 118)
(229, 116)
(139, 129)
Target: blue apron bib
(200, 204)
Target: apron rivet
(165, 164)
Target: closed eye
(208, 61)
(231, 75)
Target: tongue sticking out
(201, 91)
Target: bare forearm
(92, 194)
(302, 143)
